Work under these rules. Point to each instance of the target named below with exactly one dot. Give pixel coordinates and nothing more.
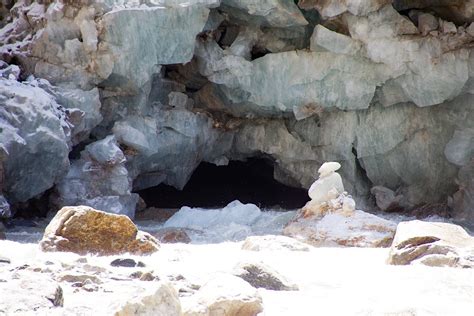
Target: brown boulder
(82, 230)
(171, 235)
(432, 244)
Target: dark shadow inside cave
(213, 186)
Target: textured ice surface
(234, 222)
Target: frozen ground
(331, 281)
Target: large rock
(99, 179)
(129, 31)
(273, 13)
(459, 11)
(158, 142)
(163, 301)
(82, 44)
(34, 140)
(336, 223)
(432, 244)
(84, 230)
(224, 295)
(333, 8)
(424, 70)
(278, 82)
(83, 106)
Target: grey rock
(73, 278)
(82, 107)
(460, 149)
(157, 142)
(330, 9)
(261, 276)
(432, 244)
(159, 300)
(458, 11)
(463, 200)
(147, 276)
(470, 29)
(213, 21)
(99, 179)
(274, 13)
(411, 174)
(34, 138)
(145, 52)
(448, 27)
(386, 199)
(325, 39)
(57, 298)
(427, 23)
(5, 210)
(180, 100)
(278, 82)
(11, 72)
(223, 292)
(81, 45)
(127, 262)
(4, 260)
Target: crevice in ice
(361, 172)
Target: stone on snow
(432, 244)
(337, 223)
(223, 294)
(84, 230)
(162, 300)
(260, 275)
(331, 218)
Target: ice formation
(329, 184)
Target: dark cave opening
(213, 186)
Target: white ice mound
(327, 168)
(197, 218)
(234, 222)
(328, 186)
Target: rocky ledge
(99, 99)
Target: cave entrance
(214, 186)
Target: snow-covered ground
(331, 281)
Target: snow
(234, 222)
(332, 281)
